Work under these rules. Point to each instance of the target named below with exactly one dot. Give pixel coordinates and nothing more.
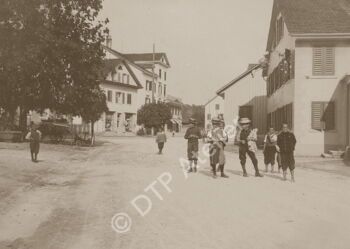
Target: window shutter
(317, 61)
(329, 116)
(316, 115)
(323, 61)
(329, 61)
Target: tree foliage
(154, 115)
(194, 111)
(51, 56)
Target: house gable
(311, 17)
(118, 72)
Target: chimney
(109, 41)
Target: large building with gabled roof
(308, 72)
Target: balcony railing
(284, 72)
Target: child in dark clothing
(34, 137)
(161, 140)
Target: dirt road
(67, 201)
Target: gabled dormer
(117, 71)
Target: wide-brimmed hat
(243, 121)
(193, 121)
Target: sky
(208, 42)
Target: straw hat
(193, 121)
(243, 121)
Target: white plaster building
(214, 108)
(308, 72)
(245, 97)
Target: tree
(194, 111)
(154, 115)
(51, 55)
(96, 101)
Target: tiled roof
(144, 56)
(110, 65)
(123, 57)
(147, 57)
(316, 16)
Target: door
(109, 120)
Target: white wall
(326, 88)
(248, 91)
(210, 108)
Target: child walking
(161, 140)
(34, 137)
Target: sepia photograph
(174, 124)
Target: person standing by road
(286, 144)
(34, 137)
(218, 139)
(245, 132)
(193, 134)
(161, 140)
(270, 143)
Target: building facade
(175, 124)
(121, 87)
(214, 108)
(157, 63)
(146, 83)
(245, 97)
(307, 73)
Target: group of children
(278, 146)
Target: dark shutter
(316, 115)
(329, 116)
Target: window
(117, 97)
(165, 76)
(323, 115)
(246, 111)
(323, 61)
(149, 85)
(113, 76)
(109, 96)
(125, 78)
(160, 73)
(123, 98)
(164, 90)
(217, 107)
(159, 89)
(209, 116)
(129, 99)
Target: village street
(67, 200)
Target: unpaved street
(68, 199)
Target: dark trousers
(192, 151)
(270, 155)
(243, 151)
(287, 160)
(160, 146)
(34, 149)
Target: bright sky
(208, 42)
